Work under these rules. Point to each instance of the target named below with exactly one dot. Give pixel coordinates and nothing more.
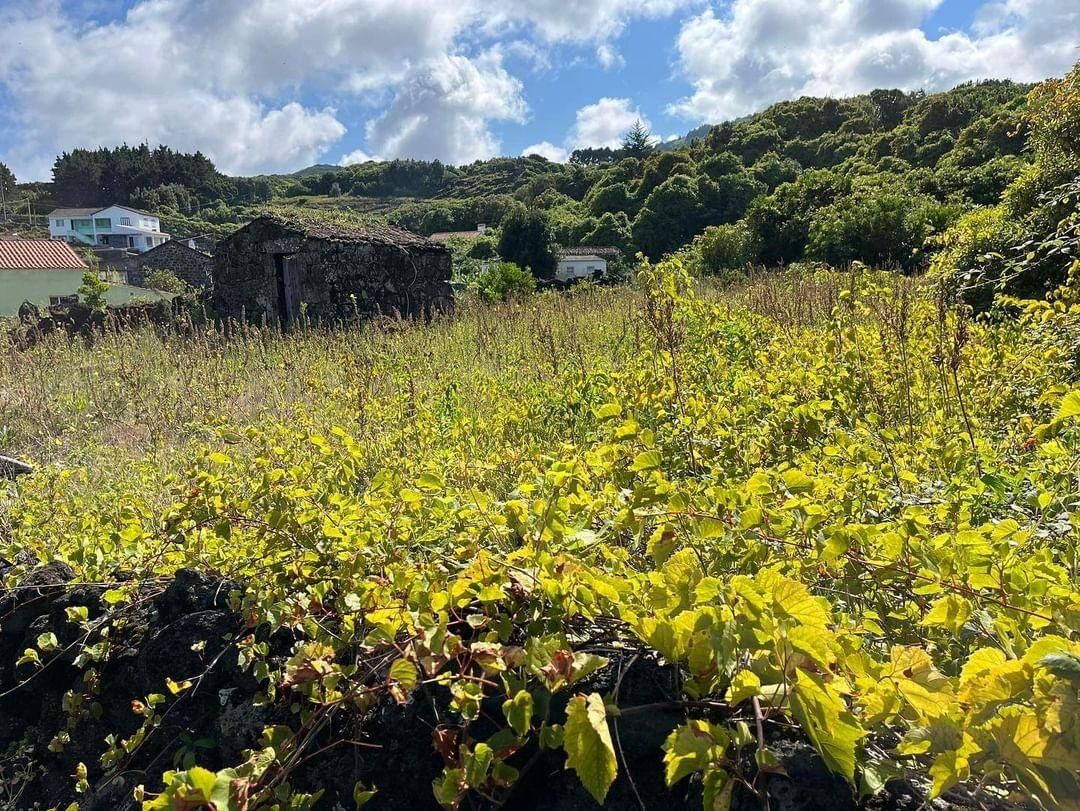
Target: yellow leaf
(746, 684)
(831, 727)
(793, 599)
(1070, 406)
(589, 750)
(950, 612)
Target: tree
(780, 222)
(772, 170)
(669, 218)
(7, 180)
(93, 290)
(527, 241)
(612, 230)
(609, 198)
(880, 227)
(103, 176)
(502, 281)
(1025, 246)
(727, 198)
(594, 156)
(724, 248)
(638, 141)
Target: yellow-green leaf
(589, 750)
(746, 684)
(691, 748)
(1070, 406)
(832, 728)
(950, 612)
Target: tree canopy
(528, 242)
(7, 179)
(638, 141)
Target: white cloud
(602, 124)
(605, 123)
(608, 57)
(762, 51)
(356, 156)
(443, 111)
(577, 20)
(103, 87)
(249, 83)
(547, 150)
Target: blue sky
(274, 85)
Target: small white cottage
(584, 263)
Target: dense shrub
(165, 281)
(724, 248)
(1012, 248)
(526, 239)
(878, 227)
(500, 281)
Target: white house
(112, 227)
(583, 263)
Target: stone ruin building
(281, 269)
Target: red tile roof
(38, 254)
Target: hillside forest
(878, 179)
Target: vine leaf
(826, 719)
(589, 750)
(1070, 406)
(950, 612)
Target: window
(103, 222)
(58, 223)
(125, 220)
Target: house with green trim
(113, 227)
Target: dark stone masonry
(187, 264)
(284, 269)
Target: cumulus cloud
(608, 57)
(443, 111)
(546, 149)
(255, 84)
(354, 157)
(605, 123)
(577, 20)
(602, 124)
(761, 51)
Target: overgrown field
(830, 510)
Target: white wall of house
(125, 216)
(136, 231)
(41, 286)
(580, 267)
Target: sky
(276, 85)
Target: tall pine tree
(638, 141)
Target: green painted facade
(17, 286)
